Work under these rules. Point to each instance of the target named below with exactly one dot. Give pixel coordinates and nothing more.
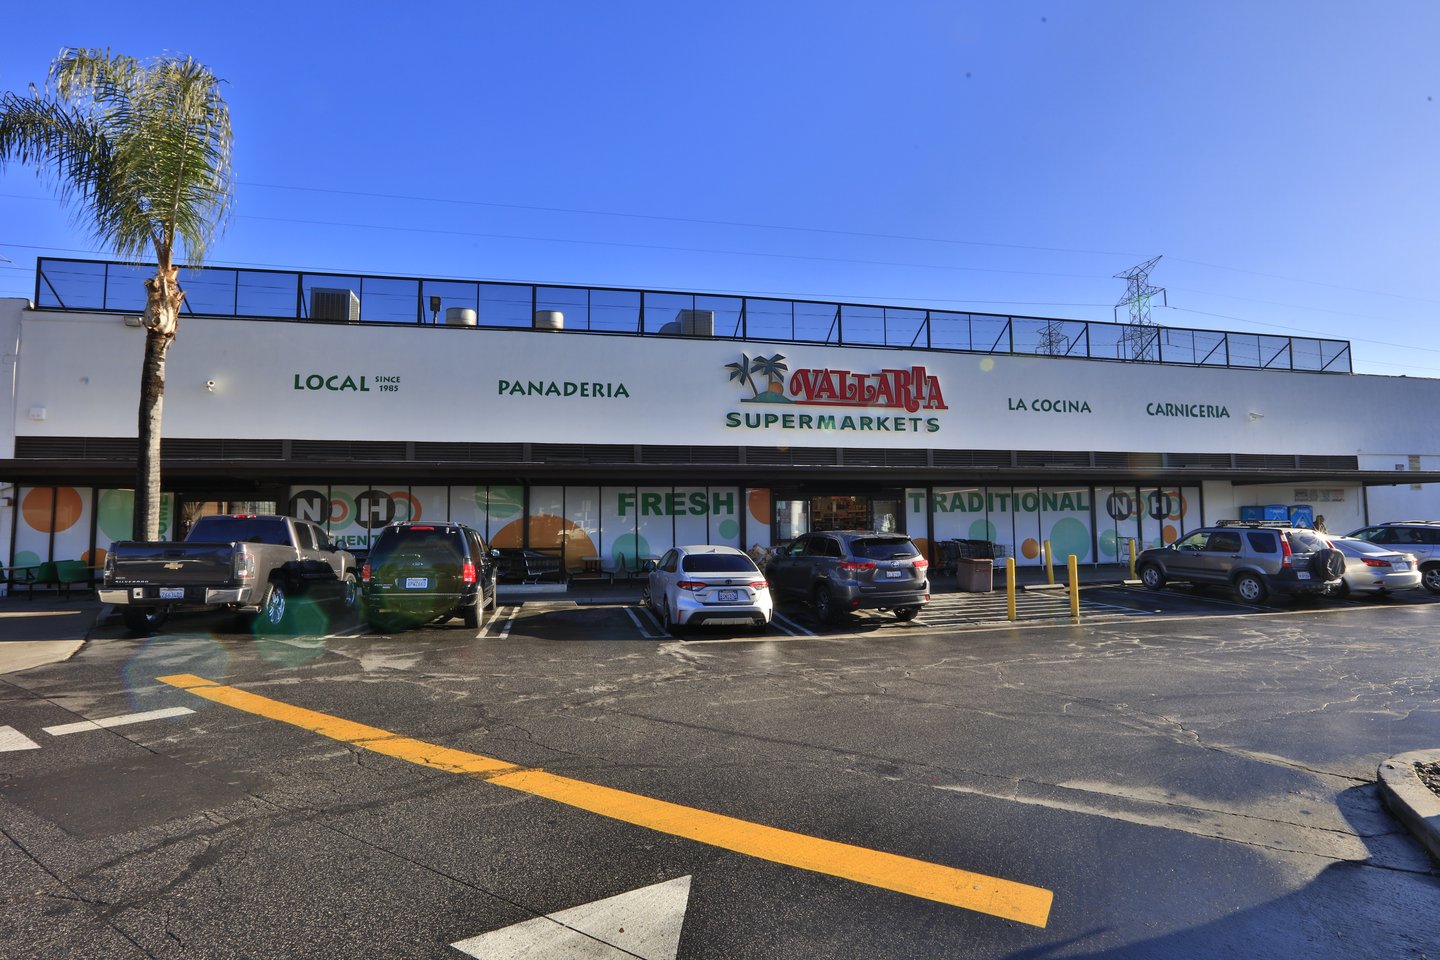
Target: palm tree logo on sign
(750, 373)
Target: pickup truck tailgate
(175, 564)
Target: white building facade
(606, 429)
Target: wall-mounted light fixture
(37, 413)
(435, 309)
(133, 321)
(1252, 416)
(210, 385)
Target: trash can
(975, 575)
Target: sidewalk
(43, 630)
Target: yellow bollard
(1049, 564)
(1010, 587)
(1074, 566)
(1132, 558)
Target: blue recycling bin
(1252, 514)
(1302, 515)
(1277, 511)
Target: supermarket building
(605, 425)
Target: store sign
(770, 380)
(347, 382)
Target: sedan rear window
(885, 548)
(718, 563)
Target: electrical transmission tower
(1052, 339)
(1139, 339)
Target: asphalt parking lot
(1180, 785)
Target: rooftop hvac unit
(692, 323)
(549, 320)
(461, 316)
(334, 303)
(696, 323)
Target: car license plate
(1301, 575)
(416, 583)
(730, 595)
(894, 574)
(172, 593)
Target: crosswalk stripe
(120, 721)
(12, 739)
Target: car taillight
(1286, 557)
(855, 565)
(1372, 562)
(691, 584)
(245, 567)
(365, 572)
(759, 584)
(921, 563)
(467, 572)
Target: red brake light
(245, 516)
(365, 572)
(1285, 558)
(422, 528)
(1372, 562)
(921, 563)
(853, 565)
(759, 584)
(691, 584)
(467, 572)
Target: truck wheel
(1430, 577)
(1152, 577)
(142, 620)
(272, 609)
(471, 615)
(349, 592)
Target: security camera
(210, 385)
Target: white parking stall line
(641, 627)
(791, 627)
(121, 721)
(490, 622)
(504, 633)
(12, 739)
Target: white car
(1374, 568)
(710, 585)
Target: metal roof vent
(549, 320)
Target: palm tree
(143, 151)
(772, 369)
(741, 371)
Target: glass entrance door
(800, 515)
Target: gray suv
(1418, 537)
(1257, 559)
(843, 570)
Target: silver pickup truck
(252, 563)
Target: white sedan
(1374, 568)
(705, 584)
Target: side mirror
(495, 554)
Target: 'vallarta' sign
(911, 390)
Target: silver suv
(1418, 537)
(1257, 559)
(843, 570)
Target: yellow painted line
(961, 888)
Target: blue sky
(1001, 157)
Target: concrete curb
(1407, 797)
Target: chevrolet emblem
(174, 566)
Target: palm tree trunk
(162, 314)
